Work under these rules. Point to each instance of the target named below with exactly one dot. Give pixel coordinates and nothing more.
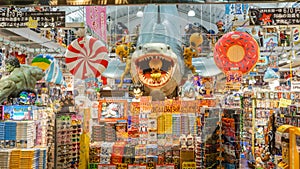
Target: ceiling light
(140, 13)
(191, 13)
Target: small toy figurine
(196, 40)
(190, 142)
(221, 29)
(188, 55)
(182, 141)
(20, 78)
(283, 38)
(138, 91)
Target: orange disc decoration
(236, 50)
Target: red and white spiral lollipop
(86, 57)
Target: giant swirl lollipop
(86, 57)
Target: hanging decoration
(95, 21)
(54, 74)
(42, 61)
(86, 57)
(236, 51)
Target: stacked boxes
(110, 132)
(106, 151)
(129, 153)
(25, 134)
(15, 159)
(176, 121)
(10, 130)
(184, 124)
(118, 152)
(27, 159)
(98, 133)
(2, 131)
(5, 158)
(42, 159)
(94, 154)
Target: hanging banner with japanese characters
(274, 16)
(236, 9)
(96, 20)
(18, 19)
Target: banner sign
(236, 9)
(96, 20)
(19, 19)
(274, 16)
(295, 86)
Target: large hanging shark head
(156, 66)
(157, 61)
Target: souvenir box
(17, 112)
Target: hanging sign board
(274, 16)
(18, 19)
(295, 86)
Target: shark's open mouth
(154, 69)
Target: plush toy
(188, 55)
(122, 51)
(196, 40)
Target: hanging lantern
(236, 51)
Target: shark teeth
(145, 71)
(151, 82)
(149, 57)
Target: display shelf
(67, 139)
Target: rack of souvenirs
(67, 139)
(23, 136)
(170, 133)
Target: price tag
(288, 102)
(284, 102)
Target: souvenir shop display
(127, 87)
(167, 133)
